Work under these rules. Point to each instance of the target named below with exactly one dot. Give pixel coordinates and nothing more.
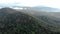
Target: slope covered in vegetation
(49, 20)
(15, 22)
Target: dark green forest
(15, 22)
(50, 20)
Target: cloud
(49, 3)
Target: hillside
(49, 18)
(15, 22)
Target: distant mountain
(36, 8)
(43, 8)
(40, 8)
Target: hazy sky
(31, 3)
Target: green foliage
(19, 23)
(0, 32)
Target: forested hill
(15, 22)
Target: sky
(31, 3)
